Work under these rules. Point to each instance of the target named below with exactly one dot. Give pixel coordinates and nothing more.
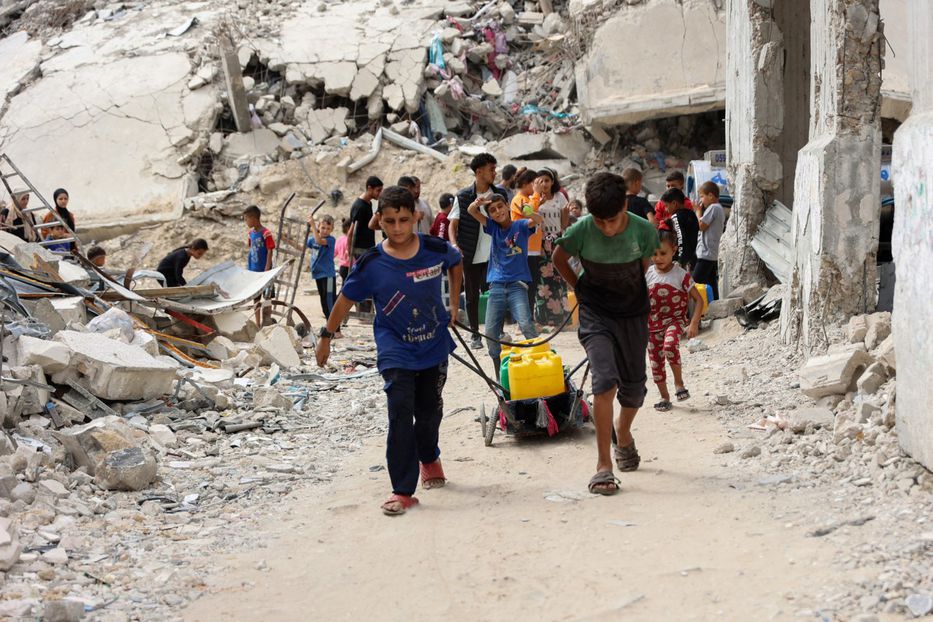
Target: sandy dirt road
(515, 535)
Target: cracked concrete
(683, 68)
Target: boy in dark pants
(402, 275)
(615, 248)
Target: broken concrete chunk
(269, 397)
(872, 379)
(857, 329)
(235, 325)
(724, 308)
(747, 293)
(491, 88)
(10, 548)
(221, 348)
(163, 435)
(132, 468)
(270, 184)
(114, 370)
(277, 346)
(258, 143)
(51, 356)
(886, 353)
(65, 610)
(53, 487)
(879, 327)
(89, 444)
(833, 374)
(815, 417)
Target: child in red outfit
(670, 288)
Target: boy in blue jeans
(508, 274)
(402, 275)
(323, 271)
(615, 248)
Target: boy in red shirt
(441, 226)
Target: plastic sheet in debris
(237, 284)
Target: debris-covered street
(255, 257)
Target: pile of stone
(831, 425)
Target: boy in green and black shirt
(615, 248)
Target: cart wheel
(585, 410)
(483, 419)
(290, 315)
(490, 430)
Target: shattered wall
(660, 58)
(108, 115)
(913, 248)
(837, 185)
(653, 58)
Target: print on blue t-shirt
(258, 253)
(322, 258)
(508, 254)
(411, 317)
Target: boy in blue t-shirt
(508, 274)
(261, 245)
(323, 271)
(402, 275)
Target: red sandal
(432, 475)
(405, 501)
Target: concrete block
(132, 468)
(163, 435)
(10, 548)
(65, 610)
(879, 328)
(114, 370)
(89, 444)
(270, 397)
(51, 356)
(142, 339)
(235, 325)
(747, 293)
(221, 348)
(872, 379)
(71, 309)
(886, 354)
(270, 184)
(815, 417)
(833, 374)
(276, 346)
(724, 308)
(857, 329)
(255, 144)
(53, 487)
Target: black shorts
(616, 349)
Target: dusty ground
(515, 535)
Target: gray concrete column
(837, 182)
(754, 122)
(913, 247)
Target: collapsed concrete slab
(114, 370)
(20, 56)
(618, 83)
(98, 105)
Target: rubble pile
(125, 447)
(835, 429)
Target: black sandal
(682, 394)
(627, 458)
(604, 483)
(663, 406)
